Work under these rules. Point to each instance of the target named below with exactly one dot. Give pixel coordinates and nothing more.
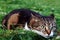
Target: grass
(19, 35)
(46, 5)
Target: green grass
(19, 35)
(46, 5)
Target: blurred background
(44, 7)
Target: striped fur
(42, 24)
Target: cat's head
(44, 25)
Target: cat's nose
(48, 31)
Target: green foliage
(19, 35)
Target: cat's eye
(42, 26)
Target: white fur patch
(26, 27)
(38, 32)
(51, 34)
(42, 34)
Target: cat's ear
(52, 15)
(32, 15)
